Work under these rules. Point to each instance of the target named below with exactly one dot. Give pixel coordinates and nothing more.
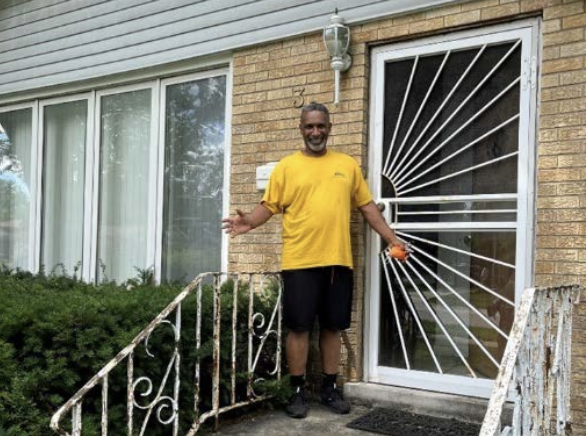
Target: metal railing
(163, 403)
(536, 367)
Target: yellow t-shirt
(315, 196)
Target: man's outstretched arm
(245, 222)
(377, 222)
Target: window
(126, 180)
(15, 187)
(194, 162)
(64, 147)
(126, 144)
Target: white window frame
(528, 31)
(227, 72)
(152, 209)
(89, 97)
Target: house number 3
(299, 100)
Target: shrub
(57, 332)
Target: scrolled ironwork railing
(208, 372)
(536, 366)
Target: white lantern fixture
(337, 40)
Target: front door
(452, 164)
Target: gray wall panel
(46, 43)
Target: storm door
(452, 135)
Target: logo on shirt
(340, 175)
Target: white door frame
(527, 31)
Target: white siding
(51, 42)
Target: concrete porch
(364, 397)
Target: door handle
(381, 206)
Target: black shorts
(325, 292)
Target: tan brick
(306, 48)
(569, 133)
(572, 188)
(563, 10)
(545, 241)
(365, 36)
(269, 65)
(479, 4)
(547, 190)
(570, 215)
(293, 42)
(575, 21)
(393, 31)
(238, 61)
(552, 26)
(573, 105)
(573, 77)
(551, 53)
(550, 108)
(565, 64)
(280, 53)
(550, 80)
(562, 92)
(570, 242)
(558, 148)
(531, 5)
(548, 135)
(243, 89)
(578, 160)
(562, 120)
(547, 162)
(574, 49)
(242, 129)
(267, 85)
(557, 255)
(408, 18)
(255, 77)
(544, 267)
(426, 25)
(555, 202)
(558, 175)
(563, 37)
(571, 268)
(500, 11)
(558, 229)
(298, 70)
(243, 109)
(463, 18)
(442, 12)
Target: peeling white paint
(539, 355)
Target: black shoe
(332, 397)
(297, 407)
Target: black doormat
(398, 423)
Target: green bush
(57, 332)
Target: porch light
(337, 40)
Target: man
(315, 190)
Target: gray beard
(316, 148)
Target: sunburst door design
(451, 136)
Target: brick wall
(271, 80)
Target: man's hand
(399, 251)
(237, 225)
(245, 222)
